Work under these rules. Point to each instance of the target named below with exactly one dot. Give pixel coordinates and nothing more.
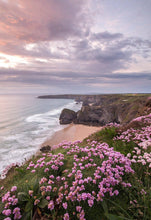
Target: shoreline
(73, 132)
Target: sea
(25, 123)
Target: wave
(40, 118)
(24, 134)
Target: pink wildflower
(30, 192)
(78, 208)
(7, 212)
(51, 205)
(14, 188)
(66, 216)
(36, 201)
(65, 205)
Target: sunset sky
(75, 46)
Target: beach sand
(71, 133)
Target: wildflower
(5, 197)
(36, 201)
(54, 189)
(78, 208)
(14, 188)
(66, 216)
(46, 170)
(48, 197)
(65, 205)
(51, 205)
(7, 212)
(15, 201)
(43, 180)
(16, 210)
(90, 202)
(33, 171)
(17, 215)
(30, 192)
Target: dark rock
(45, 149)
(67, 116)
(97, 115)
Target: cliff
(103, 109)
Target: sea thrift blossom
(30, 192)
(36, 201)
(66, 216)
(33, 171)
(48, 197)
(65, 205)
(46, 170)
(15, 201)
(78, 208)
(14, 188)
(90, 202)
(43, 180)
(51, 205)
(7, 212)
(16, 210)
(5, 197)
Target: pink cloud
(29, 21)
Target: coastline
(73, 132)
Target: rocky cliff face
(101, 110)
(67, 116)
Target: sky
(78, 46)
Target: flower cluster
(73, 186)
(142, 137)
(54, 163)
(96, 166)
(10, 209)
(146, 119)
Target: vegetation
(107, 176)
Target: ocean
(25, 123)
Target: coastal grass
(131, 202)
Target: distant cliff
(65, 96)
(102, 109)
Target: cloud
(107, 36)
(53, 42)
(66, 78)
(46, 20)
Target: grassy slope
(128, 204)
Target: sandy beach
(72, 133)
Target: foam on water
(28, 127)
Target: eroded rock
(67, 116)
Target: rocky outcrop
(103, 109)
(106, 110)
(67, 116)
(96, 115)
(45, 149)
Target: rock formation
(102, 109)
(67, 116)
